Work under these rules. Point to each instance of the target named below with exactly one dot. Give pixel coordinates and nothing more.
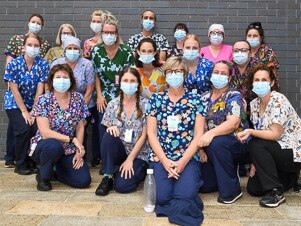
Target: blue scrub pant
(10, 143)
(220, 172)
(179, 199)
(49, 153)
(113, 155)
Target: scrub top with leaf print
(27, 81)
(175, 143)
(279, 111)
(229, 103)
(107, 68)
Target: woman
(275, 144)
(221, 151)
(26, 76)
(149, 68)
(261, 54)
(123, 148)
(109, 58)
(174, 124)
(85, 82)
(180, 33)
(65, 30)
(200, 69)
(216, 51)
(60, 116)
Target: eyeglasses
(242, 50)
(109, 32)
(170, 71)
(254, 26)
(216, 33)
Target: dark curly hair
(257, 26)
(61, 67)
(262, 68)
(156, 62)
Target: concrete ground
(22, 204)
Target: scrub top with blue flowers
(229, 103)
(200, 82)
(175, 143)
(27, 81)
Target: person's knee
(163, 197)
(125, 185)
(82, 182)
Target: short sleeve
(40, 109)
(201, 106)
(164, 46)
(279, 110)
(110, 114)
(90, 73)
(235, 104)
(153, 104)
(44, 71)
(11, 48)
(10, 72)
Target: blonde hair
(173, 62)
(58, 40)
(194, 37)
(98, 12)
(113, 22)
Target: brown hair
(61, 67)
(194, 37)
(37, 15)
(262, 68)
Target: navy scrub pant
(219, 173)
(101, 130)
(179, 200)
(113, 155)
(275, 167)
(49, 153)
(10, 144)
(23, 133)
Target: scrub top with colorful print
(200, 82)
(279, 111)
(27, 81)
(54, 53)
(133, 123)
(175, 143)
(63, 121)
(90, 43)
(229, 103)
(15, 46)
(107, 69)
(155, 83)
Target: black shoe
(43, 185)
(9, 164)
(105, 186)
(95, 163)
(272, 199)
(22, 171)
(33, 169)
(229, 200)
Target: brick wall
(280, 20)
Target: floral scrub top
(90, 43)
(200, 82)
(174, 51)
(54, 53)
(154, 84)
(63, 121)
(229, 103)
(175, 143)
(84, 75)
(280, 111)
(110, 118)
(160, 40)
(107, 69)
(266, 56)
(27, 81)
(15, 46)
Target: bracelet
(71, 140)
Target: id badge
(116, 82)
(128, 135)
(172, 123)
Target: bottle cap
(150, 171)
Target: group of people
(194, 114)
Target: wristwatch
(70, 140)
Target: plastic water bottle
(149, 192)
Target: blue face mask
(254, 42)
(32, 52)
(191, 54)
(180, 35)
(146, 59)
(219, 81)
(129, 88)
(216, 39)
(261, 88)
(72, 54)
(61, 85)
(240, 58)
(175, 79)
(148, 24)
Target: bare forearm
(265, 134)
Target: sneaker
(9, 164)
(229, 200)
(272, 199)
(105, 186)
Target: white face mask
(96, 27)
(34, 28)
(32, 52)
(109, 39)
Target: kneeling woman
(275, 146)
(60, 116)
(123, 149)
(174, 123)
(226, 115)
